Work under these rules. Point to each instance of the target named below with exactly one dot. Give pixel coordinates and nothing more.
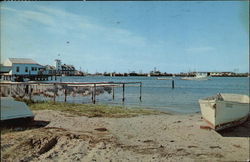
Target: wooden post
(54, 98)
(10, 90)
(94, 93)
(123, 92)
(30, 92)
(113, 92)
(140, 90)
(65, 94)
(173, 84)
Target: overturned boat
(13, 110)
(225, 110)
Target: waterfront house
(215, 73)
(68, 69)
(202, 74)
(22, 66)
(50, 70)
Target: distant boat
(225, 110)
(198, 76)
(164, 78)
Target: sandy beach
(164, 137)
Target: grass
(92, 110)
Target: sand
(143, 138)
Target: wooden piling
(173, 84)
(94, 100)
(10, 90)
(140, 90)
(54, 98)
(92, 92)
(30, 92)
(65, 94)
(113, 92)
(123, 92)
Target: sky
(171, 36)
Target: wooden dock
(34, 88)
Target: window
(32, 69)
(17, 69)
(35, 68)
(26, 69)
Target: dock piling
(173, 84)
(94, 93)
(54, 98)
(65, 94)
(123, 92)
(113, 92)
(140, 90)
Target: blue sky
(173, 36)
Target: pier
(54, 89)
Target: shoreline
(153, 137)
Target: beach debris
(238, 146)
(101, 129)
(205, 127)
(147, 141)
(180, 149)
(48, 145)
(215, 147)
(102, 145)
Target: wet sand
(143, 138)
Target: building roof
(50, 67)
(22, 61)
(68, 66)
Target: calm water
(158, 94)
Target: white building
(22, 66)
(50, 70)
(58, 65)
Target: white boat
(164, 78)
(225, 110)
(198, 76)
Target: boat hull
(226, 125)
(224, 114)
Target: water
(158, 94)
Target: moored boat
(225, 110)
(164, 78)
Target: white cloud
(63, 22)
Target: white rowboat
(225, 110)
